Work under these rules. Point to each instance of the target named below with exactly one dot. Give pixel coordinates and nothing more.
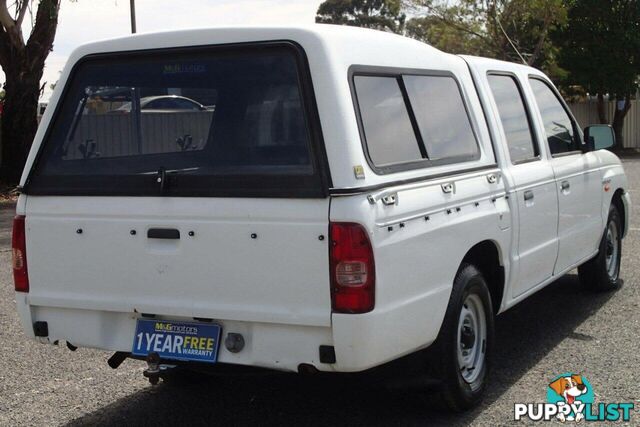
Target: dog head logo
(570, 392)
(569, 387)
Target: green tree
(386, 15)
(511, 30)
(23, 64)
(600, 48)
(439, 33)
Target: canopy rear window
(230, 121)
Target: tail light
(19, 249)
(352, 269)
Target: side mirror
(598, 137)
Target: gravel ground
(561, 328)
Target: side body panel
(420, 233)
(418, 244)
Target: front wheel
(602, 273)
(463, 349)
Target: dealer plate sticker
(177, 340)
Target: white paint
(275, 290)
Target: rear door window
(514, 117)
(210, 121)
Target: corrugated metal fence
(112, 134)
(587, 114)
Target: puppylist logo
(570, 397)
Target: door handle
(528, 195)
(163, 233)
(565, 185)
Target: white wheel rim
(472, 338)
(612, 247)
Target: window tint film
(387, 127)
(220, 120)
(442, 118)
(557, 123)
(514, 117)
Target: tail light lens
(352, 269)
(19, 249)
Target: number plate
(177, 340)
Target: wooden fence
(587, 114)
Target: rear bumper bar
(360, 341)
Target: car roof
(345, 38)
(341, 45)
(499, 65)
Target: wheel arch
(618, 200)
(486, 256)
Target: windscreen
(191, 122)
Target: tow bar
(153, 368)
(116, 360)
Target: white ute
(296, 198)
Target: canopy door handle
(163, 233)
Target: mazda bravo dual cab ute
(318, 198)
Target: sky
(87, 20)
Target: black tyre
(602, 273)
(461, 355)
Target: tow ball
(153, 368)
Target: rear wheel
(462, 353)
(602, 273)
